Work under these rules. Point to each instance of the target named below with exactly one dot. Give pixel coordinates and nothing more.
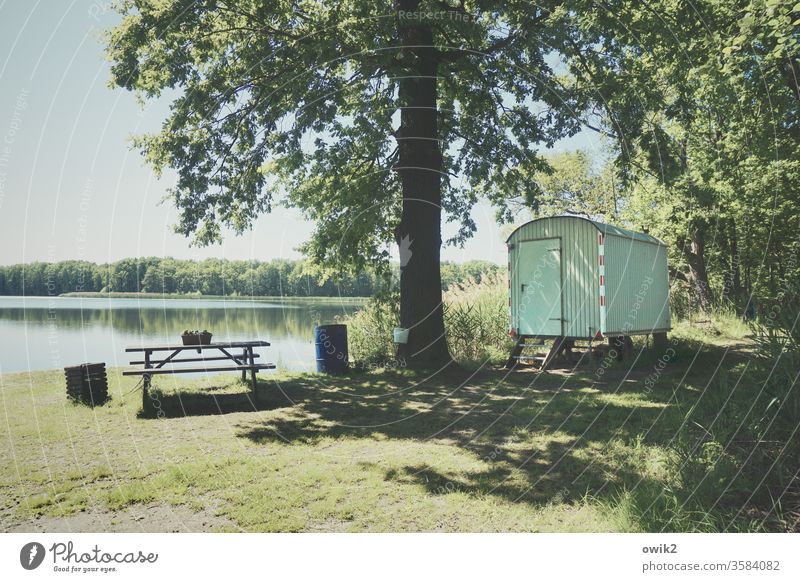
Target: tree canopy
(702, 104)
(380, 121)
(303, 97)
(716, 164)
(375, 119)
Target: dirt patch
(151, 518)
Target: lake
(42, 333)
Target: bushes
(777, 367)
(369, 330)
(680, 300)
(738, 444)
(475, 318)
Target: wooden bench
(243, 362)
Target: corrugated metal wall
(579, 260)
(637, 286)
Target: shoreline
(145, 295)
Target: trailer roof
(600, 226)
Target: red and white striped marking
(601, 248)
(511, 331)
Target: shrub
(475, 318)
(680, 300)
(369, 330)
(777, 420)
(738, 444)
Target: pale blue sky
(71, 188)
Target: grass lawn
(380, 451)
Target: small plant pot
(190, 339)
(400, 335)
(205, 338)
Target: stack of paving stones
(87, 383)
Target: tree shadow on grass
(211, 401)
(534, 439)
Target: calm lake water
(42, 333)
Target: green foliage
(298, 103)
(701, 103)
(574, 185)
(713, 165)
(369, 331)
(475, 317)
(221, 277)
(778, 367)
(276, 278)
(476, 320)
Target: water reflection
(43, 333)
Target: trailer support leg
(627, 347)
(515, 353)
(558, 345)
(617, 344)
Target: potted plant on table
(196, 338)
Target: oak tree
(379, 120)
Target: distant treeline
(279, 277)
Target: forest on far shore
(278, 277)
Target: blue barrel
(331, 345)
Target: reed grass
(475, 318)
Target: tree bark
(419, 234)
(694, 251)
(736, 263)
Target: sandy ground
(151, 518)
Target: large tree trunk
(694, 251)
(731, 261)
(736, 262)
(419, 234)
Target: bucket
(330, 342)
(400, 335)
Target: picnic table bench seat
(198, 359)
(244, 367)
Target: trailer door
(539, 281)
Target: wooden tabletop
(172, 347)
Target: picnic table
(153, 363)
